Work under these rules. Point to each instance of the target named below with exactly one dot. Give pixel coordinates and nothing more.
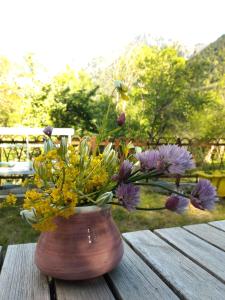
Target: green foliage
(10, 95)
(167, 93)
(74, 110)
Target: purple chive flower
(174, 159)
(121, 119)
(148, 159)
(128, 195)
(204, 195)
(124, 172)
(48, 131)
(177, 203)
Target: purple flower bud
(124, 172)
(121, 119)
(177, 203)
(148, 159)
(128, 195)
(48, 131)
(204, 195)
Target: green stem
(139, 208)
(144, 176)
(163, 187)
(63, 177)
(86, 197)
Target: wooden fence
(207, 153)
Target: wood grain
(19, 278)
(206, 255)
(134, 280)
(182, 275)
(1, 258)
(208, 233)
(94, 289)
(218, 224)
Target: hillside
(212, 60)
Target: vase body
(86, 245)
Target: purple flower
(204, 195)
(174, 159)
(124, 172)
(148, 159)
(121, 119)
(48, 131)
(128, 195)
(177, 203)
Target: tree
(10, 95)
(75, 110)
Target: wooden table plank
(208, 233)
(0, 258)
(183, 275)
(20, 278)
(218, 224)
(96, 289)
(206, 255)
(133, 280)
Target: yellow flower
(52, 154)
(69, 196)
(39, 158)
(56, 194)
(38, 181)
(11, 199)
(46, 225)
(33, 195)
(67, 212)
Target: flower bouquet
(74, 188)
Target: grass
(164, 218)
(14, 230)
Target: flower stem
(139, 208)
(163, 187)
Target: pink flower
(177, 203)
(174, 159)
(128, 195)
(124, 172)
(148, 159)
(203, 195)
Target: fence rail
(207, 153)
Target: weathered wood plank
(1, 258)
(208, 233)
(206, 255)
(182, 275)
(133, 280)
(96, 289)
(20, 278)
(218, 224)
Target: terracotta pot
(84, 246)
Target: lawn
(15, 230)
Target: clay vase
(84, 246)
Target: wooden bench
(14, 169)
(173, 263)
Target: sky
(73, 32)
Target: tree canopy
(168, 94)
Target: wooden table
(173, 263)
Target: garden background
(171, 93)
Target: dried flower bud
(48, 131)
(121, 119)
